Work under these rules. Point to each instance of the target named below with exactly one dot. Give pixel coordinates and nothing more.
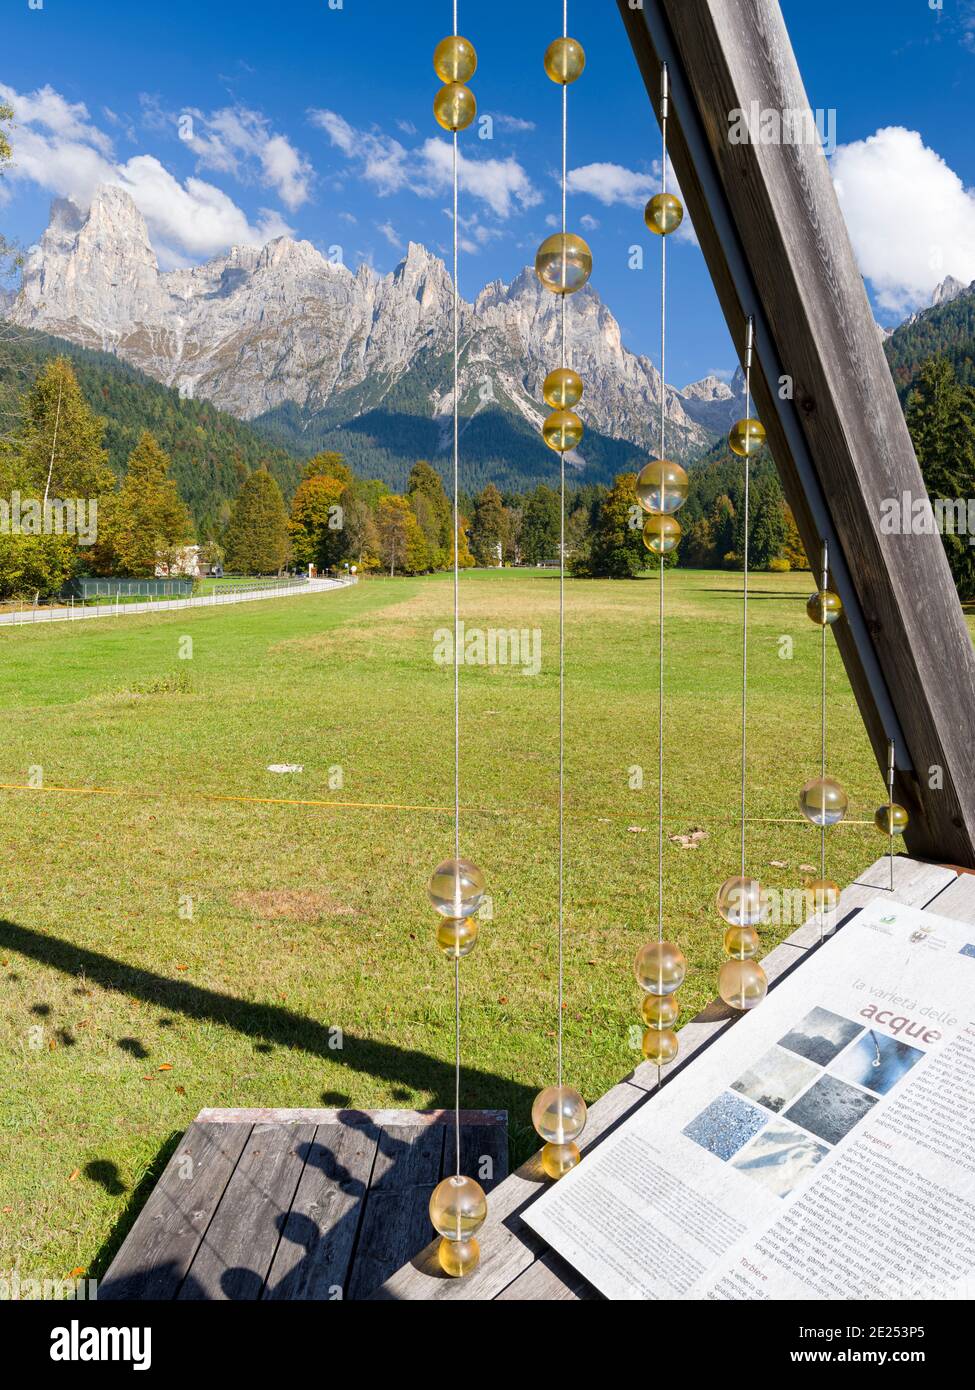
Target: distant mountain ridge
(947, 327)
(316, 354)
(211, 452)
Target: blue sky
(319, 122)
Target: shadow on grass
(112, 1243)
(270, 1024)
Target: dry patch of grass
(291, 904)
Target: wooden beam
(777, 247)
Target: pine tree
(540, 527)
(941, 418)
(617, 550)
(256, 539)
(145, 522)
(60, 438)
(487, 530)
(433, 511)
(768, 531)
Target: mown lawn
(122, 1015)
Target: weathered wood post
(777, 247)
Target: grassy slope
(238, 1001)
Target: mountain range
(316, 355)
(308, 355)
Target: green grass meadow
(123, 1015)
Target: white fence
(72, 612)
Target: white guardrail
(71, 613)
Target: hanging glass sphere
(456, 888)
(562, 389)
(742, 983)
(824, 607)
(559, 1114)
(663, 214)
(742, 901)
(660, 1010)
(563, 263)
(458, 1208)
(456, 936)
(454, 106)
(661, 534)
(660, 1046)
(741, 943)
(823, 801)
(747, 437)
(660, 967)
(559, 1159)
(454, 59)
(824, 895)
(562, 431)
(891, 820)
(458, 1257)
(661, 487)
(565, 60)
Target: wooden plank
(957, 900)
(508, 1246)
(160, 1247)
(483, 1153)
(550, 1280)
(771, 230)
(515, 1263)
(372, 1118)
(915, 885)
(235, 1255)
(409, 1164)
(314, 1257)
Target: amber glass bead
(663, 214)
(746, 437)
(454, 106)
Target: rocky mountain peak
(949, 289)
(260, 327)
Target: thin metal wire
(890, 808)
(824, 585)
(456, 311)
(561, 930)
(749, 349)
(664, 112)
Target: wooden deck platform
(297, 1204)
(326, 1204)
(515, 1262)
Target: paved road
(109, 610)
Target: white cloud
(427, 169)
(513, 124)
(612, 183)
(236, 140)
(911, 219)
(474, 235)
(501, 183)
(589, 222)
(382, 159)
(59, 149)
(63, 119)
(391, 234)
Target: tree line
(336, 520)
